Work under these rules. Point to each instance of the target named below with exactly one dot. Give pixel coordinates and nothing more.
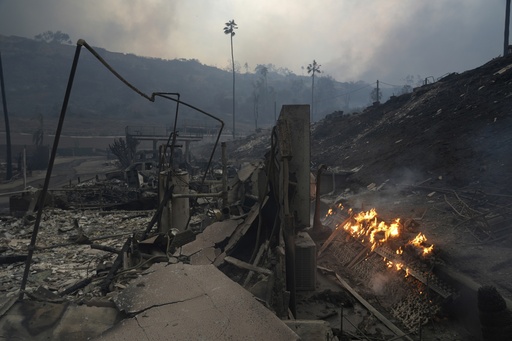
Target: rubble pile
(63, 255)
(415, 311)
(397, 272)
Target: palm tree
(230, 29)
(313, 68)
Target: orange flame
(366, 224)
(419, 241)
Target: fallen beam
(105, 248)
(116, 266)
(367, 305)
(241, 264)
(333, 235)
(262, 249)
(83, 283)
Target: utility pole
(507, 28)
(378, 99)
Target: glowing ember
(418, 240)
(427, 250)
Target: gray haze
(352, 39)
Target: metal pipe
(289, 240)
(317, 224)
(212, 182)
(224, 175)
(197, 195)
(341, 320)
(12, 193)
(42, 195)
(24, 167)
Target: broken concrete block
(187, 302)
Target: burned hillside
(456, 128)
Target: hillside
(455, 129)
(36, 74)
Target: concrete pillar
(294, 152)
(296, 118)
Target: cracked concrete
(193, 302)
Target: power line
(393, 85)
(345, 93)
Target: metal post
(24, 167)
(341, 320)
(317, 224)
(377, 95)
(42, 196)
(224, 176)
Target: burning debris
(374, 233)
(358, 238)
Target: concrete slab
(194, 247)
(240, 231)
(187, 302)
(247, 170)
(220, 230)
(204, 257)
(212, 234)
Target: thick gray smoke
(352, 40)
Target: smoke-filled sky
(351, 39)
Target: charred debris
(78, 260)
(167, 249)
